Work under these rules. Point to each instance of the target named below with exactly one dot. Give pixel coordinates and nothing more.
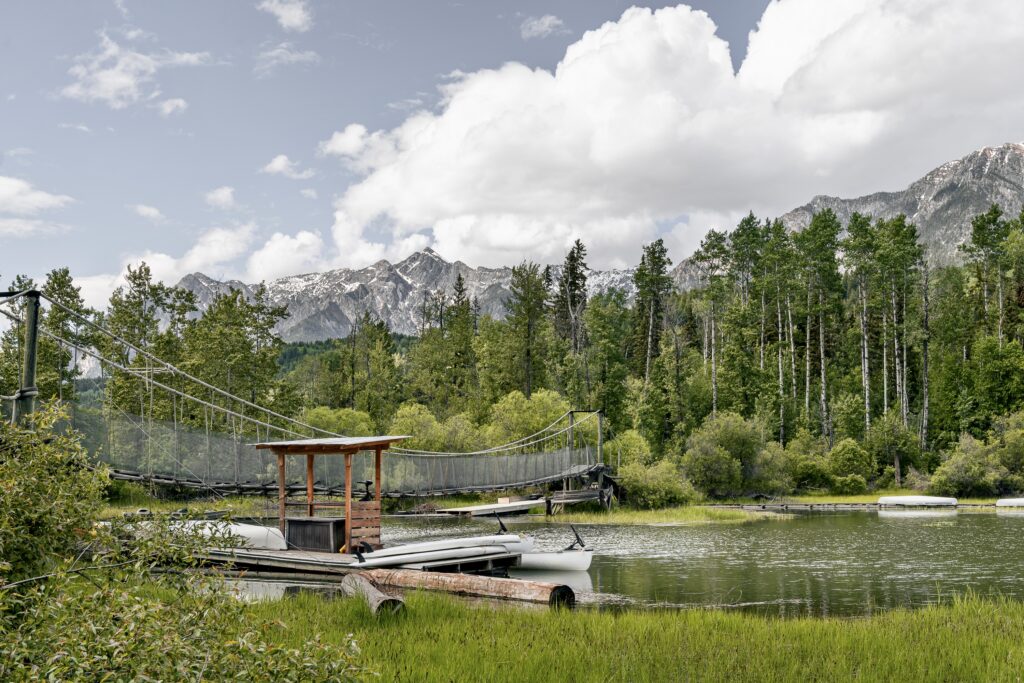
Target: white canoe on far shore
(1010, 503)
(917, 501)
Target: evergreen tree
(526, 308)
(653, 284)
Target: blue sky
(260, 138)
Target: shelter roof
(339, 444)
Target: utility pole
(25, 398)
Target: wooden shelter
(362, 518)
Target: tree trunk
(714, 365)
(865, 370)
(792, 343)
(761, 344)
(999, 280)
(355, 584)
(782, 384)
(650, 341)
(807, 359)
(924, 358)
(826, 425)
(885, 361)
(905, 400)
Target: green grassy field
(683, 515)
(873, 497)
(443, 639)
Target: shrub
(740, 438)
(628, 447)
(971, 469)
(712, 469)
(657, 486)
(847, 458)
(340, 420)
(850, 485)
(773, 471)
(889, 442)
(812, 473)
(418, 422)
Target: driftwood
(358, 585)
(553, 594)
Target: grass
(873, 497)
(442, 639)
(682, 515)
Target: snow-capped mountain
(325, 305)
(941, 203)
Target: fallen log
(358, 585)
(554, 594)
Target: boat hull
(917, 501)
(562, 560)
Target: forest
(837, 358)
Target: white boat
(413, 560)
(252, 535)
(917, 501)
(512, 543)
(1010, 503)
(574, 560)
(579, 581)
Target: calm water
(816, 564)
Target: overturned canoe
(370, 561)
(1010, 503)
(512, 543)
(252, 535)
(561, 560)
(917, 501)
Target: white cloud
(286, 255)
(308, 193)
(29, 227)
(221, 198)
(19, 152)
(175, 105)
(17, 196)
(212, 254)
(541, 27)
(345, 143)
(120, 76)
(282, 54)
(292, 15)
(282, 165)
(644, 123)
(150, 213)
(80, 127)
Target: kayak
(576, 559)
(918, 501)
(252, 535)
(511, 543)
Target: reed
(441, 638)
(682, 515)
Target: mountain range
(326, 305)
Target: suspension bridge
(186, 432)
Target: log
(358, 585)
(553, 594)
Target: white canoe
(560, 560)
(513, 544)
(917, 501)
(252, 535)
(1010, 503)
(371, 560)
(579, 581)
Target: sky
(254, 139)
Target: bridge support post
(25, 399)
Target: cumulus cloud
(150, 213)
(541, 27)
(282, 54)
(286, 255)
(175, 105)
(645, 129)
(292, 15)
(221, 197)
(28, 227)
(120, 76)
(282, 165)
(19, 197)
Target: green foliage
(890, 443)
(712, 469)
(655, 486)
(417, 421)
(740, 438)
(847, 458)
(773, 471)
(850, 485)
(515, 416)
(339, 420)
(971, 469)
(629, 447)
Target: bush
(889, 442)
(848, 458)
(418, 422)
(657, 486)
(740, 438)
(773, 471)
(850, 485)
(812, 473)
(340, 420)
(712, 469)
(628, 447)
(971, 469)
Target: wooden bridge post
(600, 437)
(309, 484)
(282, 490)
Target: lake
(825, 564)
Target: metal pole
(25, 402)
(600, 437)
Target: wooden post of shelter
(282, 490)
(348, 502)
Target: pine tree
(526, 308)
(653, 284)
